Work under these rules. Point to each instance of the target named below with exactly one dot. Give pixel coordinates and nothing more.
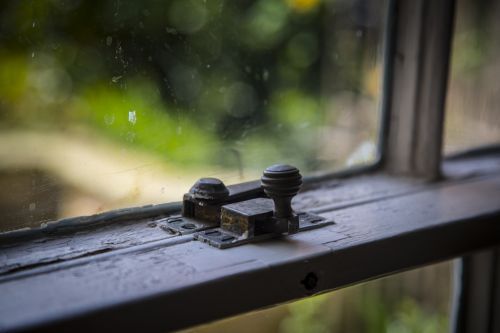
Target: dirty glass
(109, 104)
(473, 101)
(418, 301)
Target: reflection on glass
(123, 103)
(473, 101)
(410, 302)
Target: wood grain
(169, 283)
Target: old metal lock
(229, 216)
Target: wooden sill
(132, 276)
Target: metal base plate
(180, 225)
(223, 239)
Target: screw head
(310, 281)
(209, 189)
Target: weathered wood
(170, 284)
(58, 247)
(74, 224)
(419, 68)
(83, 237)
(477, 302)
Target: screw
(310, 281)
(281, 183)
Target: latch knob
(281, 183)
(249, 212)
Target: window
(472, 115)
(125, 270)
(121, 104)
(414, 301)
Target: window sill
(131, 275)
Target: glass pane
(116, 103)
(473, 102)
(410, 302)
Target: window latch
(230, 216)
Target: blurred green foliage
(147, 122)
(203, 77)
(375, 315)
(474, 31)
(411, 318)
(307, 316)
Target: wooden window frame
(120, 271)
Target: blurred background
(412, 302)
(115, 104)
(473, 101)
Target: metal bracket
(181, 225)
(222, 238)
(202, 205)
(230, 216)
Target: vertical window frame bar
(476, 299)
(419, 63)
(412, 135)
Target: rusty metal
(181, 225)
(209, 189)
(226, 216)
(245, 218)
(254, 219)
(223, 238)
(204, 199)
(201, 206)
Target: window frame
(102, 290)
(415, 79)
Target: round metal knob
(209, 189)
(281, 183)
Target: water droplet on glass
(32, 54)
(109, 119)
(117, 78)
(32, 206)
(130, 136)
(132, 118)
(208, 65)
(34, 24)
(171, 31)
(265, 75)
(109, 40)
